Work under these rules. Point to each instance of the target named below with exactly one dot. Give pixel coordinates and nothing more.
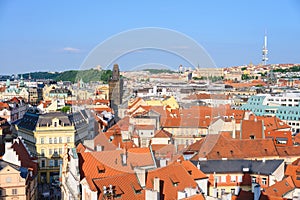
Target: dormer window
(137, 188)
(100, 168)
(174, 180)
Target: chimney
(99, 148)
(198, 165)
(124, 158)
(141, 175)
(156, 184)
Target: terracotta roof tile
(193, 170)
(162, 134)
(25, 158)
(125, 186)
(112, 162)
(251, 128)
(144, 127)
(218, 146)
(173, 182)
(280, 188)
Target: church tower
(115, 89)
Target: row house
(130, 174)
(13, 110)
(46, 135)
(18, 172)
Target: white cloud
(71, 50)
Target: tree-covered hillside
(73, 75)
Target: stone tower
(115, 89)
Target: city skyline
(52, 36)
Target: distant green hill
(73, 75)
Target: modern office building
(285, 106)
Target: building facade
(48, 134)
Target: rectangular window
(240, 178)
(50, 152)
(50, 140)
(14, 191)
(264, 181)
(223, 179)
(253, 179)
(42, 140)
(51, 163)
(60, 150)
(55, 140)
(232, 178)
(43, 163)
(60, 140)
(68, 139)
(217, 179)
(42, 152)
(56, 163)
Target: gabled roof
(121, 125)
(126, 186)
(112, 163)
(281, 188)
(293, 171)
(115, 137)
(252, 127)
(218, 147)
(173, 178)
(271, 123)
(162, 134)
(193, 170)
(286, 151)
(102, 140)
(24, 156)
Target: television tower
(265, 51)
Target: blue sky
(58, 35)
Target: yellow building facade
(47, 136)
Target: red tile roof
(125, 185)
(144, 127)
(162, 134)
(24, 156)
(251, 128)
(111, 161)
(3, 105)
(271, 123)
(279, 189)
(193, 170)
(218, 146)
(173, 178)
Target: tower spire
(265, 50)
